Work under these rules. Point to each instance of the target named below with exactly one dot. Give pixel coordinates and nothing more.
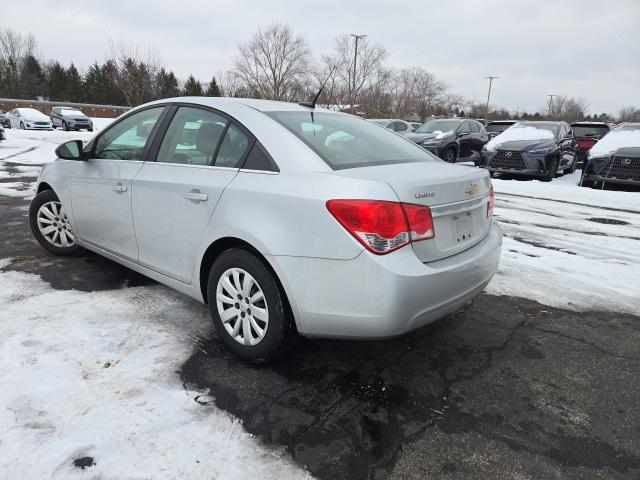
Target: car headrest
(208, 136)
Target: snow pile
(93, 375)
(566, 189)
(554, 254)
(614, 140)
(517, 132)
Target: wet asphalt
(505, 389)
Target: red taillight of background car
(383, 226)
(491, 202)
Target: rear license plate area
(462, 227)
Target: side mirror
(568, 136)
(463, 134)
(70, 150)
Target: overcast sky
(588, 48)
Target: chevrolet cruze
(285, 219)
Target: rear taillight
(383, 226)
(491, 202)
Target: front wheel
(248, 306)
(65, 127)
(553, 170)
(450, 155)
(50, 225)
(22, 126)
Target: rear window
(497, 127)
(590, 130)
(344, 141)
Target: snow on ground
(94, 375)
(554, 254)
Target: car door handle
(118, 187)
(196, 196)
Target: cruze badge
(425, 194)
(472, 189)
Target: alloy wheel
(242, 306)
(54, 225)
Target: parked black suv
(615, 159)
(70, 119)
(454, 139)
(534, 149)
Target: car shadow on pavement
(506, 385)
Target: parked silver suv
(282, 218)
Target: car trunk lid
(457, 196)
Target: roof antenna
(313, 104)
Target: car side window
(126, 139)
(233, 148)
(400, 127)
(192, 137)
(259, 160)
(464, 128)
(475, 127)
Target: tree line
(275, 63)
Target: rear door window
(233, 148)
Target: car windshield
(438, 126)
(549, 127)
(28, 111)
(344, 141)
(497, 127)
(71, 112)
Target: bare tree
(15, 48)
(570, 109)
(629, 114)
(136, 68)
(369, 64)
(416, 91)
(273, 62)
(231, 84)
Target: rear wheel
(248, 306)
(50, 225)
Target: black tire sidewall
(454, 155)
(36, 203)
(279, 330)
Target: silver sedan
(283, 218)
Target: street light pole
(550, 103)
(355, 60)
(490, 78)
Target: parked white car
(283, 218)
(28, 119)
(394, 124)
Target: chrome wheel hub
(242, 307)
(54, 225)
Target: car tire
(65, 127)
(22, 126)
(46, 212)
(278, 330)
(573, 166)
(89, 129)
(553, 170)
(450, 155)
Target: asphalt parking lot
(507, 388)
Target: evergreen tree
(73, 87)
(32, 79)
(192, 88)
(113, 94)
(166, 84)
(213, 90)
(56, 82)
(95, 85)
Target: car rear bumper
(383, 296)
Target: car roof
(590, 123)
(500, 122)
(256, 104)
(541, 122)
